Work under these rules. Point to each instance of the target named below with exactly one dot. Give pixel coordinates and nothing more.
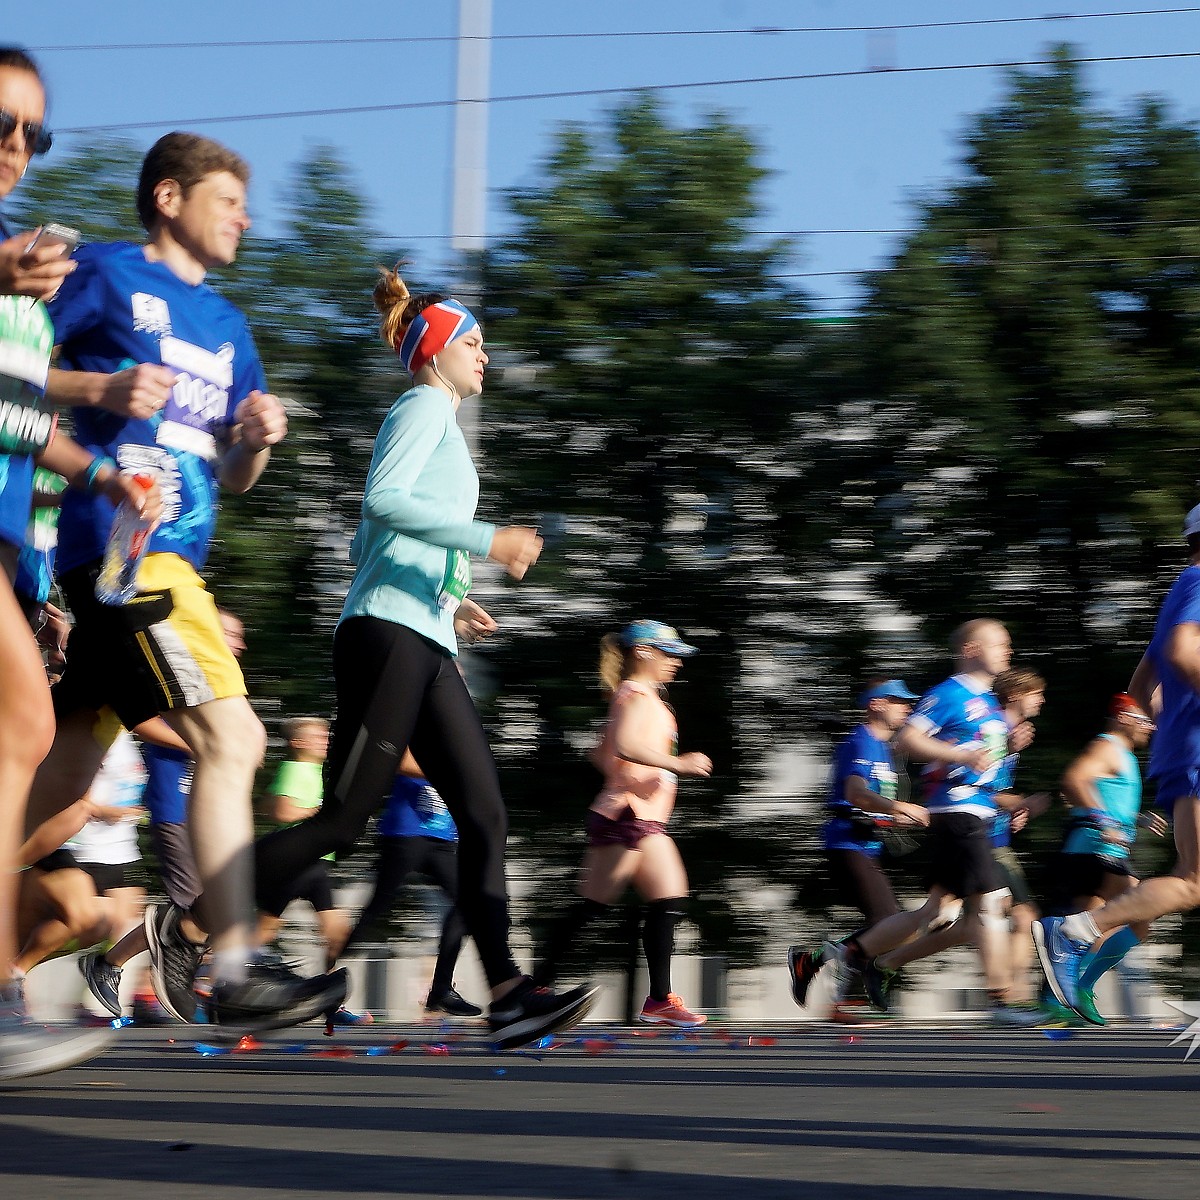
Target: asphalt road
(822, 1111)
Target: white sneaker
(27, 1049)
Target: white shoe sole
(67, 1050)
(529, 1030)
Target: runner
(417, 834)
(296, 795)
(193, 412)
(394, 650)
(27, 279)
(959, 731)
(59, 908)
(863, 791)
(1022, 693)
(628, 843)
(1010, 912)
(1103, 786)
(107, 846)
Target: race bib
(199, 401)
(26, 340)
(456, 583)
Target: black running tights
(398, 858)
(395, 689)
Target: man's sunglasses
(38, 139)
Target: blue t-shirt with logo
(962, 713)
(1176, 744)
(119, 309)
(864, 755)
(1005, 781)
(414, 809)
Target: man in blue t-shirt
(1166, 686)
(959, 731)
(863, 796)
(163, 377)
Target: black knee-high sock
(562, 936)
(658, 941)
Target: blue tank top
(1120, 799)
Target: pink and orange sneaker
(670, 1011)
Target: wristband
(94, 468)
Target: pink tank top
(648, 791)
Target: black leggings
(398, 858)
(396, 689)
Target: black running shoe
(273, 996)
(103, 980)
(803, 966)
(452, 1004)
(173, 960)
(529, 1012)
(878, 982)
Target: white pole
(469, 212)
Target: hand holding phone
(54, 235)
(34, 265)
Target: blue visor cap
(890, 689)
(655, 633)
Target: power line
(999, 265)
(684, 235)
(414, 105)
(758, 30)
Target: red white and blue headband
(434, 328)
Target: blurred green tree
(653, 372)
(280, 559)
(91, 189)
(1022, 378)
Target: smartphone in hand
(54, 234)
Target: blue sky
(845, 153)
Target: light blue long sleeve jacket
(418, 511)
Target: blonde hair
(294, 727)
(1019, 681)
(616, 663)
(397, 306)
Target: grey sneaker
(273, 996)
(1009, 1016)
(28, 1049)
(879, 982)
(103, 980)
(173, 960)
